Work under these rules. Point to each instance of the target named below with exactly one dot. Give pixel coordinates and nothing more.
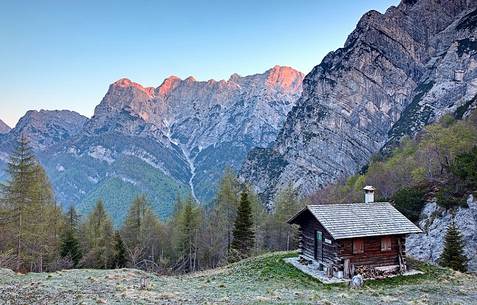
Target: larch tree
(142, 232)
(453, 253)
(32, 214)
(187, 236)
(17, 194)
(281, 235)
(243, 234)
(98, 234)
(225, 211)
(259, 218)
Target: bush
(448, 199)
(465, 168)
(409, 201)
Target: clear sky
(64, 54)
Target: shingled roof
(360, 219)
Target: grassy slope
(263, 280)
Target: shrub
(410, 202)
(465, 168)
(448, 199)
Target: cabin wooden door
(318, 245)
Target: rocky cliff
(434, 222)
(397, 72)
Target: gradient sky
(64, 54)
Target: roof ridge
(348, 203)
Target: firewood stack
(373, 273)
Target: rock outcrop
(397, 72)
(434, 221)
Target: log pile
(375, 273)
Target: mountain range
(396, 73)
(164, 142)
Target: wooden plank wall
(308, 226)
(372, 256)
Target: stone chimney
(368, 193)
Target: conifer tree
(227, 203)
(98, 233)
(243, 234)
(142, 231)
(453, 253)
(32, 214)
(70, 246)
(188, 225)
(16, 193)
(281, 235)
(119, 259)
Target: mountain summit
(4, 128)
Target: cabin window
(358, 246)
(386, 244)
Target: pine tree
(70, 246)
(453, 253)
(72, 220)
(119, 259)
(243, 234)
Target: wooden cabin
(342, 237)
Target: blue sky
(64, 54)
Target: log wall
(308, 226)
(372, 256)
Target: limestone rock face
(397, 72)
(428, 246)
